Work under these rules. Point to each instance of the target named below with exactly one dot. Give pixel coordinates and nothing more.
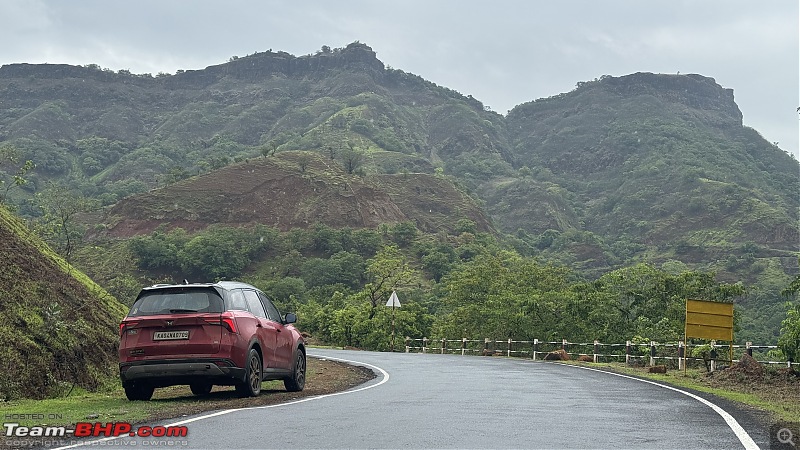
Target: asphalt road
(450, 401)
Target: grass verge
(322, 377)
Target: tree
(9, 156)
(352, 158)
(644, 301)
(222, 252)
(57, 225)
(404, 232)
(366, 242)
(789, 341)
(466, 226)
(159, 251)
(437, 264)
(326, 240)
(387, 271)
(505, 296)
(285, 291)
(303, 160)
(268, 149)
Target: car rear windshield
(178, 300)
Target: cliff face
(692, 90)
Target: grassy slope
(58, 329)
(296, 190)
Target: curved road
(450, 401)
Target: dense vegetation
(339, 279)
(607, 203)
(58, 329)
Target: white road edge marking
(737, 429)
(384, 373)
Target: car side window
(273, 312)
(255, 305)
(237, 301)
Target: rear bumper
(172, 372)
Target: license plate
(170, 335)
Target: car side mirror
(290, 318)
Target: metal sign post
(394, 302)
(708, 320)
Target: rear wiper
(176, 311)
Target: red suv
(225, 333)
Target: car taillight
(125, 325)
(226, 320)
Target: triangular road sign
(393, 300)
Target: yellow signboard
(709, 320)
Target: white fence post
(535, 345)
(713, 355)
(424, 344)
(652, 353)
(627, 352)
(509, 348)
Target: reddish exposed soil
(279, 192)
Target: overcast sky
(502, 52)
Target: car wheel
(297, 381)
(139, 392)
(251, 386)
(201, 388)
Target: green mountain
(640, 168)
(120, 133)
(58, 328)
(661, 161)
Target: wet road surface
(451, 401)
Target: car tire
(297, 381)
(139, 392)
(251, 386)
(201, 388)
